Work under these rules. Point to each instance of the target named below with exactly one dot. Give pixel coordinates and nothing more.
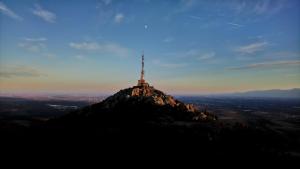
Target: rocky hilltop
(149, 95)
(135, 106)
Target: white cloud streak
(44, 14)
(195, 17)
(20, 71)
(6, 11)
(268, 6)
(32, 47)
(169, 65)
(259, 7)
(267, 65)
(185, 5)
(118, 18)
(168, 39)
(85, 45)
(107, 2)
(285, 54)
(80, 57)
(235, 24)
(35, 39)
(198, 55)
(33, 44)
(207, 56)
(252, 48)
(109, 48)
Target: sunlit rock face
(148, 95)
(137, 109)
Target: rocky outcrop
(137, 108)
(152, 96)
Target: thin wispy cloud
(169, 65)
(259, 7)
(191, 53)
(268, 6)
(85, 46)
(268, 65)
(257, 37)
(207, 56)
(19, 71)
(196, 54)
(168, 39)
(239, 6)
(284, 54)
(44, 14)
(105, 14)
(7, 11)
(50, 55)
(109, 48)
(118, 18)
(101, 3)
(235, 24)
(106, 2)
(292, 75)
(183, 6)
(37, 46)
(33, 44)
(32, 47)
(195, 17)
(41, 39)
(252, 48)
(80, 57)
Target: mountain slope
(139, 105)
(144, 118)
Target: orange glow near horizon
(110, 88)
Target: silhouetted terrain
(152, 121)
(241, 109)
(20, 111)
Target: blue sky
(191, 47)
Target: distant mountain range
(274, 93)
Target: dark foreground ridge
(135, 107)
(150, 121)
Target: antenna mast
(143, 72)
(142, 81)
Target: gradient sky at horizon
(190, 46)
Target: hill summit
(148, 96)
(138, 105)
(141, 104)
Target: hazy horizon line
(101, 94)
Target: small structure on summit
(142, 82)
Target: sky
(190, 46)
